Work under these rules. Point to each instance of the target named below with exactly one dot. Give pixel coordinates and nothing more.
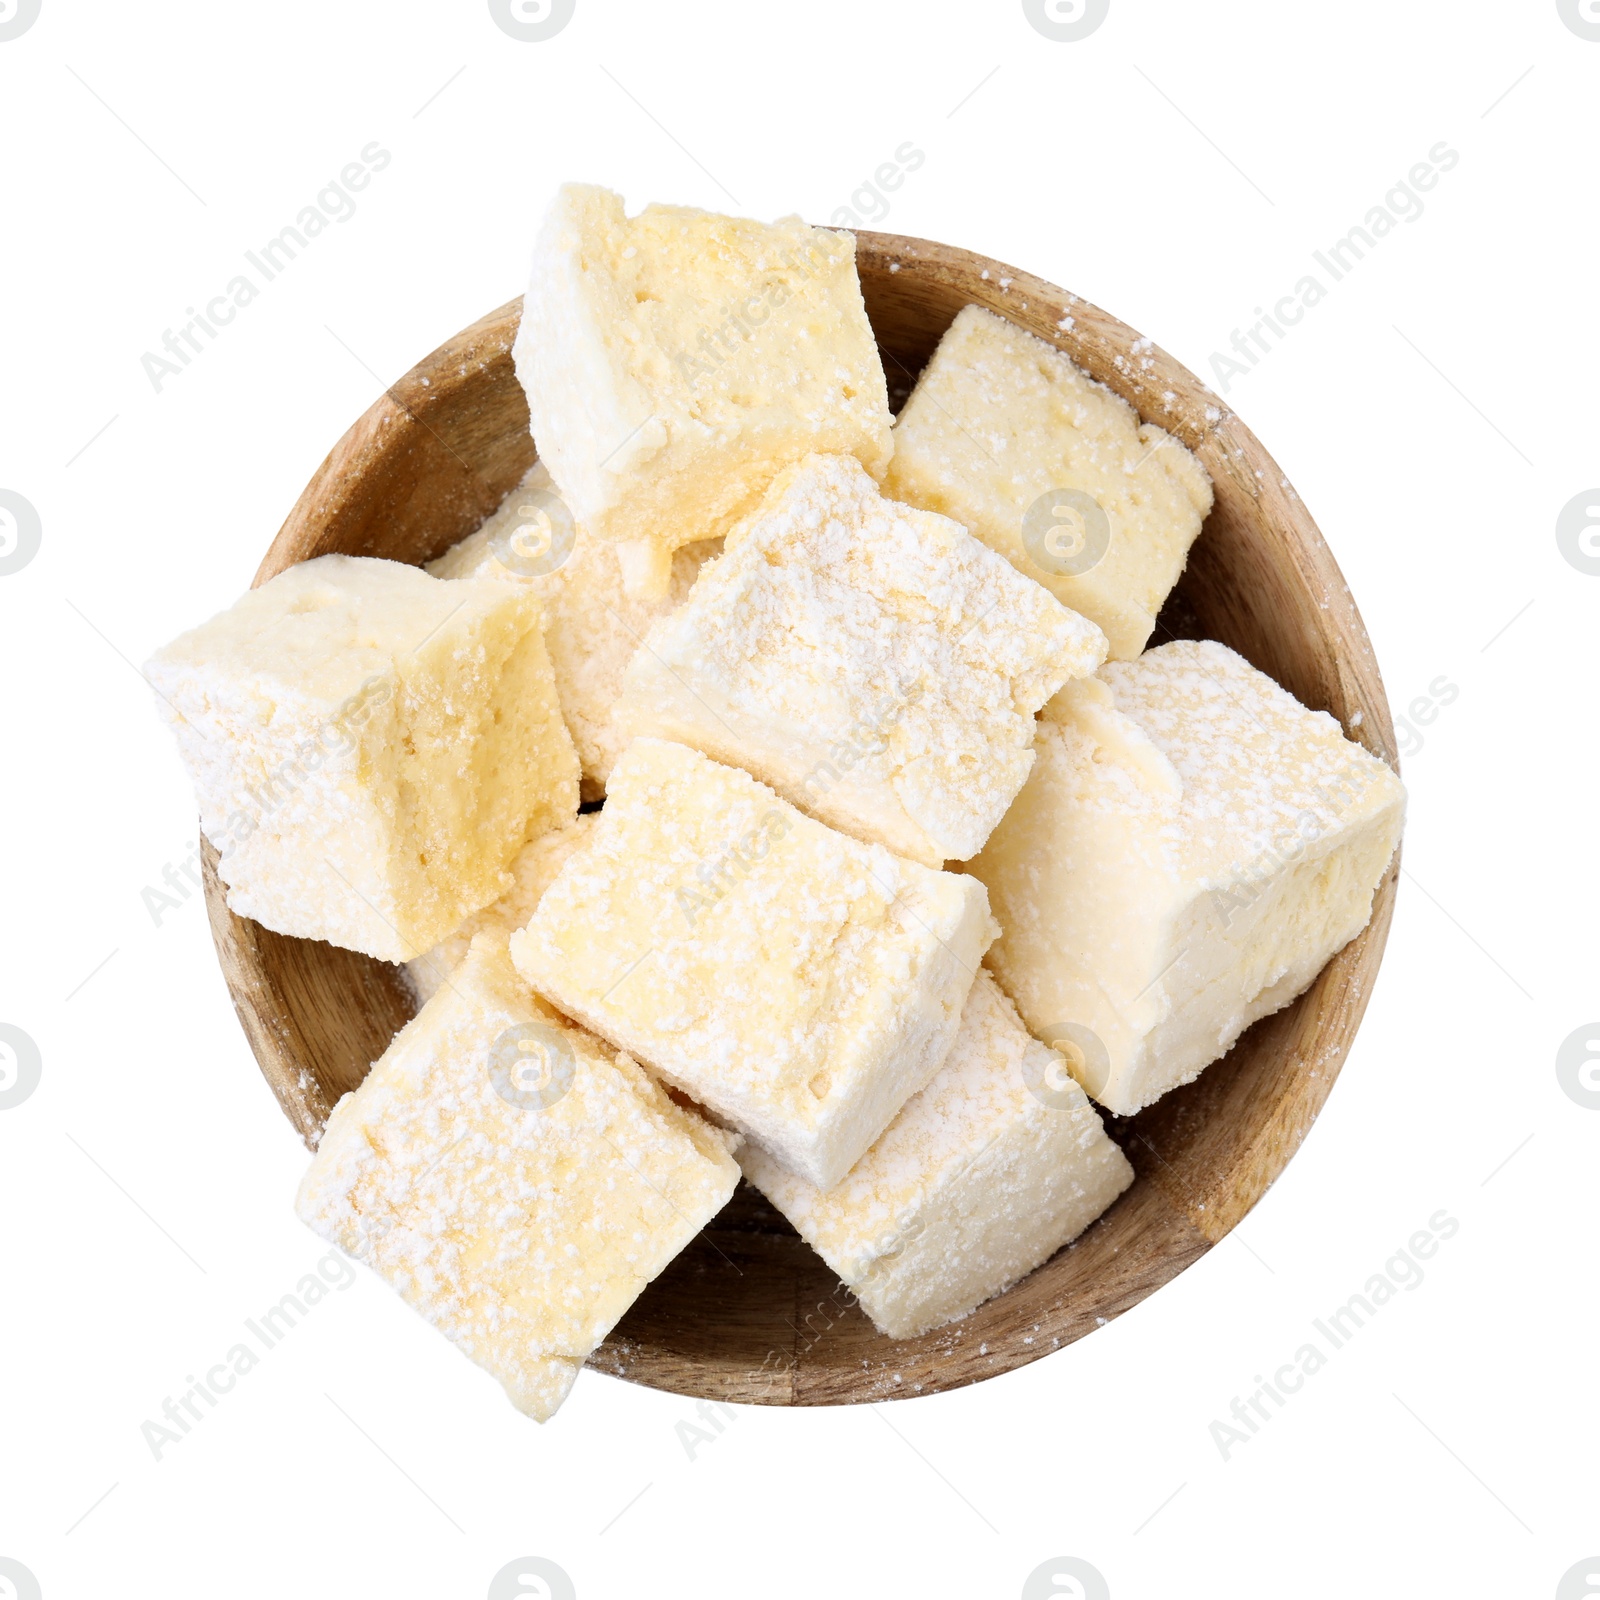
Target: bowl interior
(749, 1312)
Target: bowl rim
(1168, 1218)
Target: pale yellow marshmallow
(370, 748)
(533, 870)
(674, 361)
(522, 1227)
(592, 626)
(987, 1172)
(998, 421)
(1191, 848)
(875, 664)
(797, 983)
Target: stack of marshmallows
(795, 661)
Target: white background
(1436, 412)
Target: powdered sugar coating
(796, 982)
(1191, 848)
(521, 1233)
(675, 360)
(999, 417)
(875, 664)
(1255, 766)
(370, 748)
(988, 1171)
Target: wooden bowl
(748, 1312)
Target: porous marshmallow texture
(516, 1181)
(370, 747)
(676, 360)
(1010, 437)
(798, 983)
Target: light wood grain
(748, 1312)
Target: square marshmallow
(370, 747)
(515, 1181)
(1005, 434)
(990, 1170)
(1191, 848)
(795, 982)
(875, 664)
(676, 360)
